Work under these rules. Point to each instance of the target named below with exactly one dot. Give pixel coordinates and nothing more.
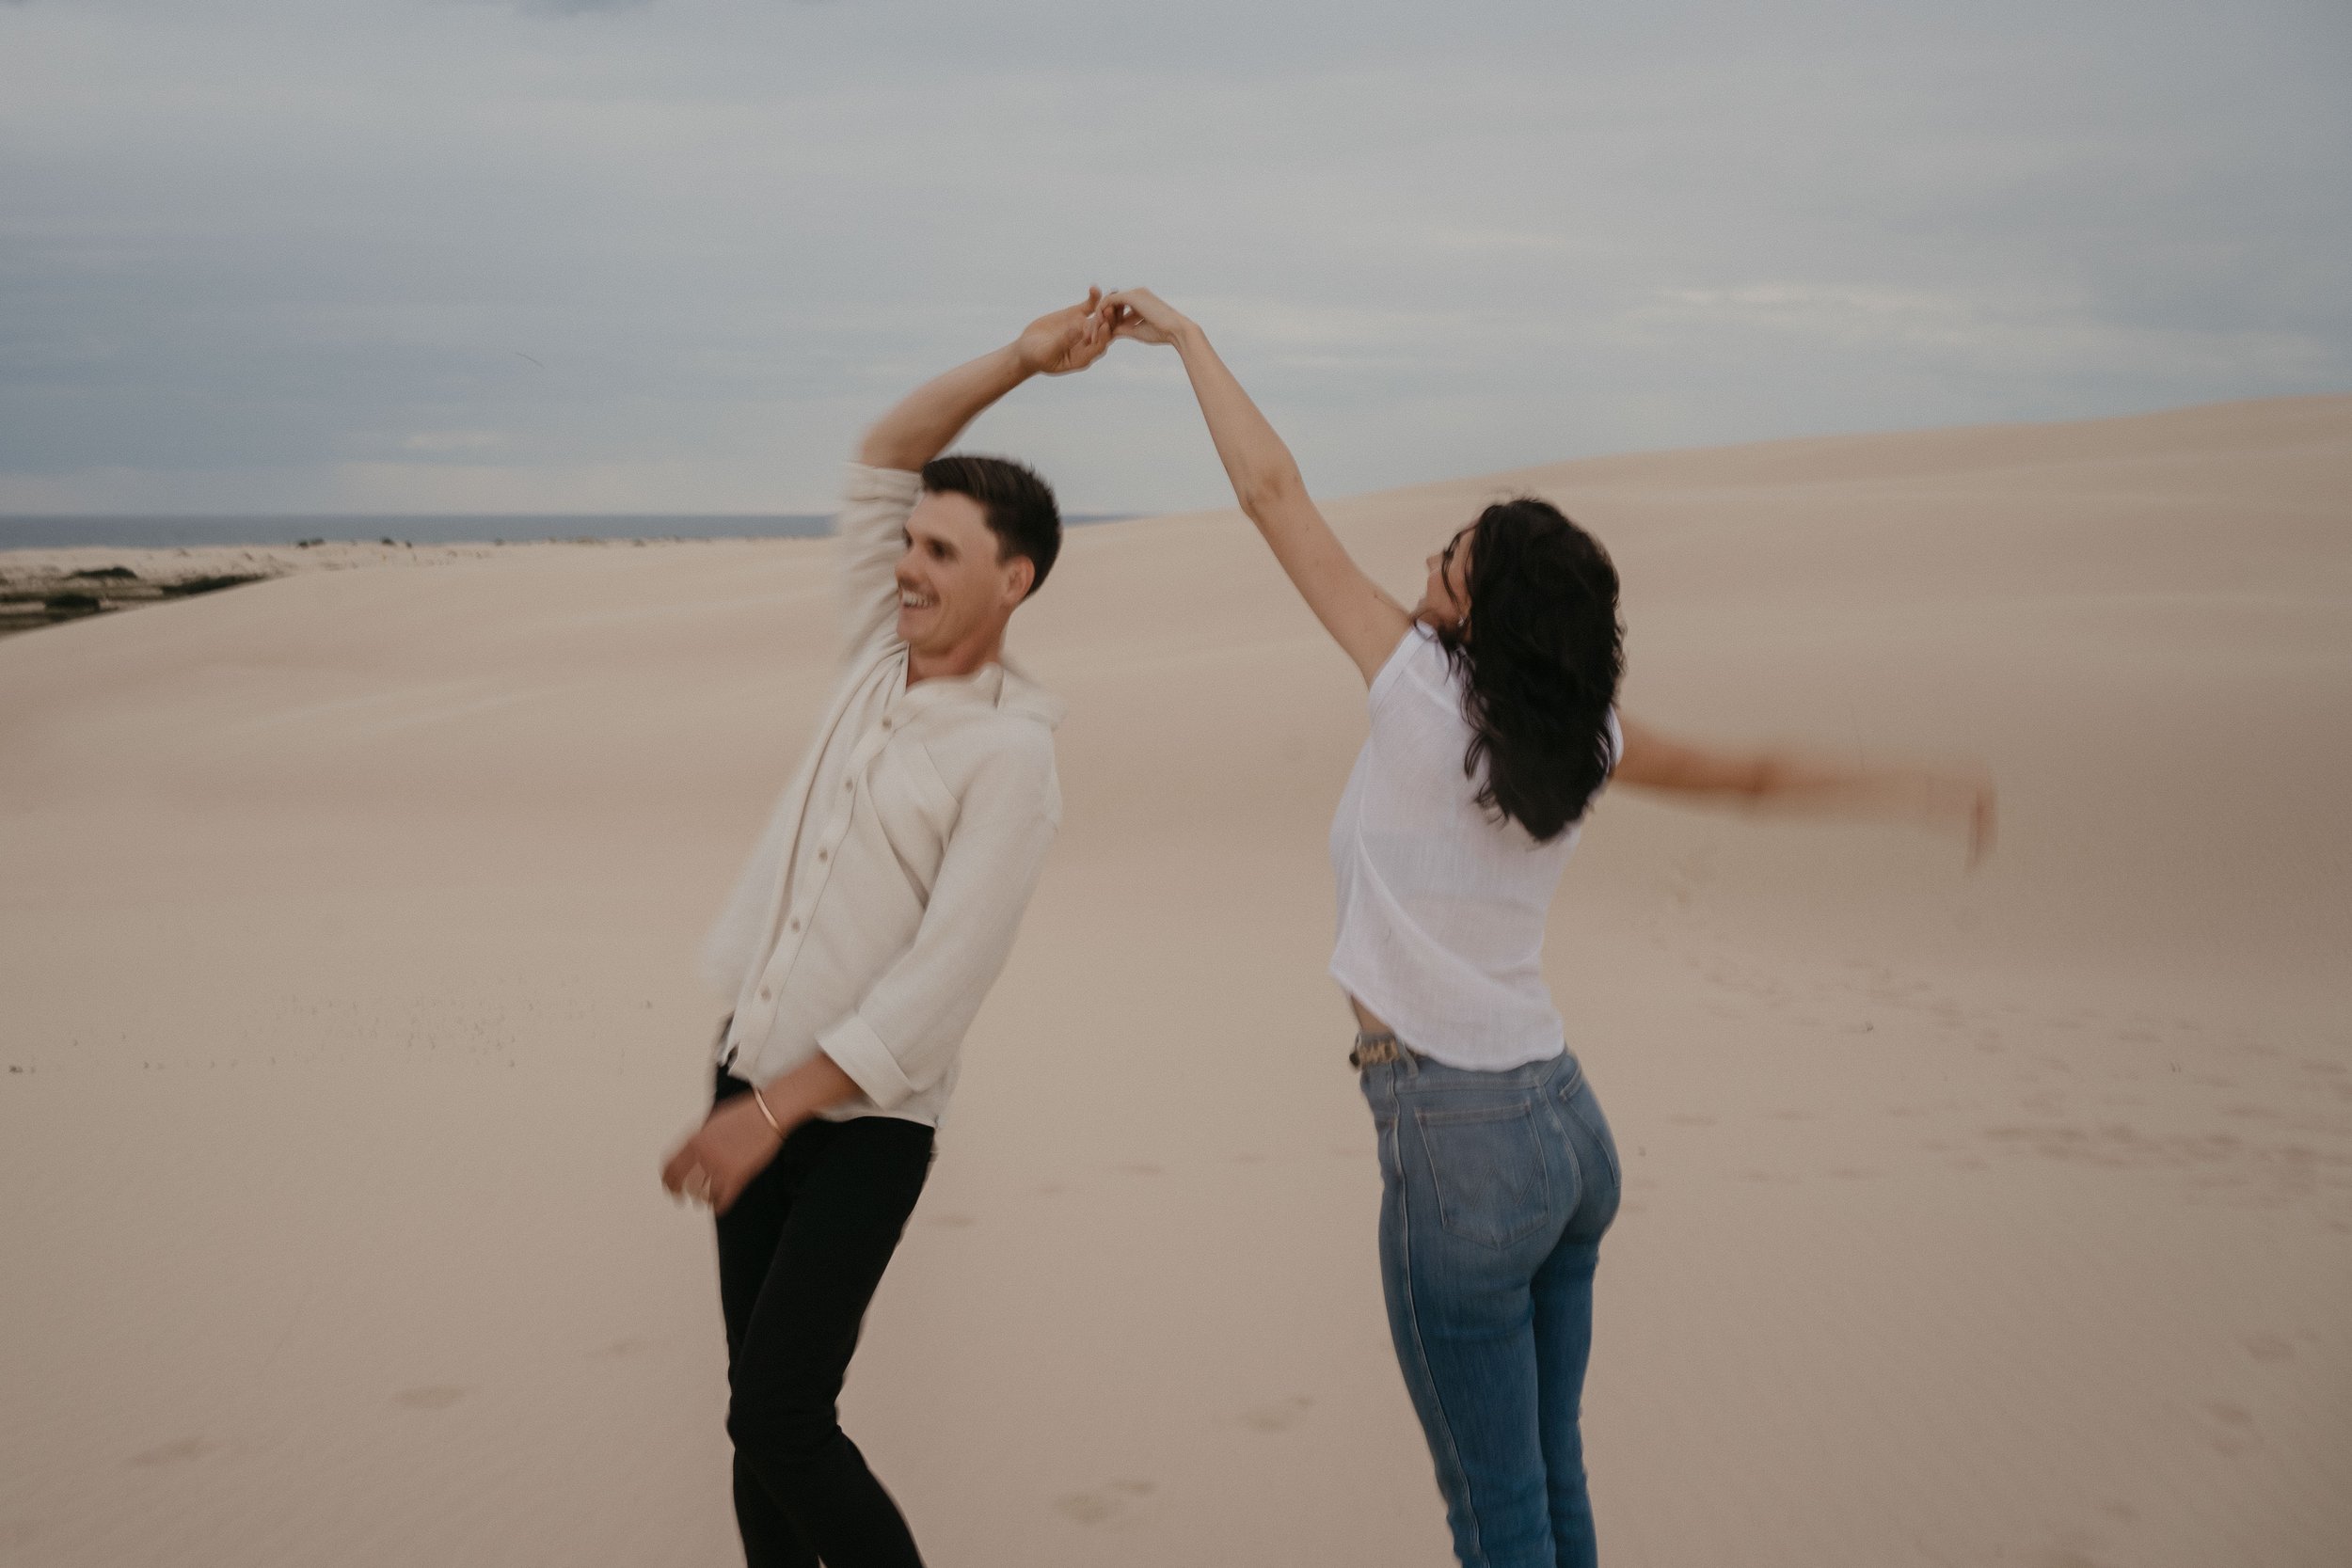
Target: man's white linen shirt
(883, 899)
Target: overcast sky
(670, 255)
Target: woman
(1493, 726)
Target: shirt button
(824, 854)
(885, 724)
(849, 784)
(796, 923)
(767, 995)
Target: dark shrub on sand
(204, 585)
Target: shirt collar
(993, 685)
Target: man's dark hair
(1019, 506)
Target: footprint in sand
(172, 1453)
(1279, 1417)
(621, 1349)
(2069, 1557)
(2229, 1427)
(433, 1396)
(1104, 1503)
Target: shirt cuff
(861, 484)
(856, 1049)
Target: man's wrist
(780, 1126)
(1019, 362)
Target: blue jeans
(1495, 1190)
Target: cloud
(256, 250)
(435, 441)
(579, 8)
(2015, 336)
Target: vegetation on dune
(36, 599)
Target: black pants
(800, 1254)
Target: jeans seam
(1615, 1164)
(1576, 1173)
(1421, 1351)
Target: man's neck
(962, 659)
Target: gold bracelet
(761, 1101)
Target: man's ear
(1020, 576)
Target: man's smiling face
(952, 585)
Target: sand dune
(345, 936)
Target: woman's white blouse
(1441, 906)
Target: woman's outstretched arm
(1798, 780)
(1360, 618)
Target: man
(869, 924)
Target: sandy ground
(345, 935)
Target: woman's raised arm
(1802, 780)
(1360, 618)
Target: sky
(410, 256)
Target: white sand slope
(345, 933)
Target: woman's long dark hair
(1541, 653)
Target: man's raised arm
(922, 426)
(935, 413)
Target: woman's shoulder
(1419, 663)
(1417, 702)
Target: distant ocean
(45, 533)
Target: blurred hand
(1962, 799)
(1066, 340)
(1140, 314)
(1980, 815)
(733, 1145)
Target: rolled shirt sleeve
(869, 534)
(904, 1034)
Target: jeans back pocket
(1486, 1163)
